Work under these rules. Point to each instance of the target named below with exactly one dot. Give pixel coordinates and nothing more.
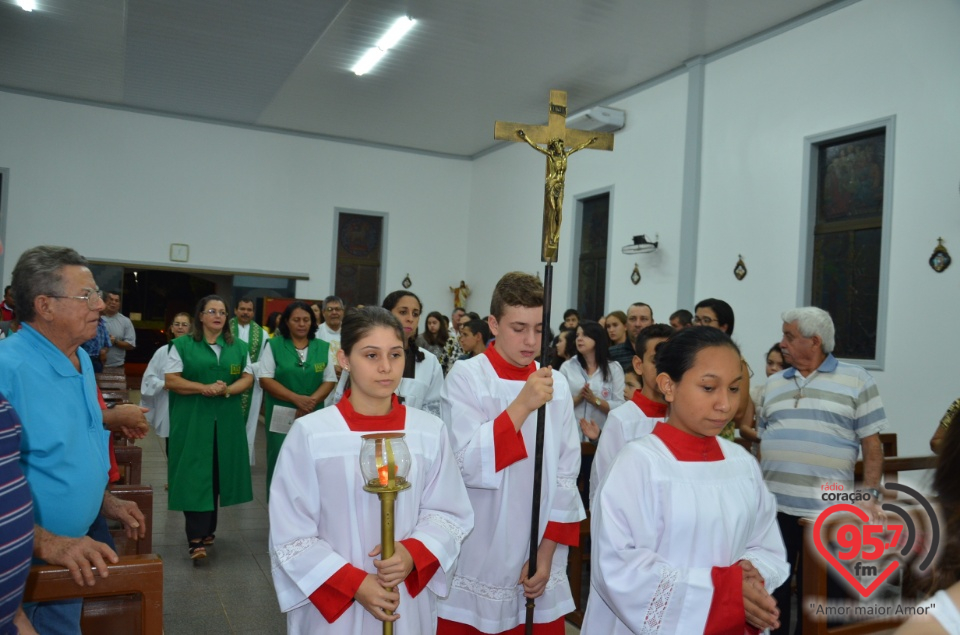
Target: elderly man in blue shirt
(64, 453)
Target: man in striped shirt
(816, 418)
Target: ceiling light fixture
(384, 44)
(27, 5)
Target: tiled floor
(230, 591)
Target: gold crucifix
(557, 138)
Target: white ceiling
(285, 64)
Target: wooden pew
(130, 462)
(128, 601)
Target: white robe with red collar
(485, 592)
(667, 535)
(323, 524)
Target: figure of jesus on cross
(557, 138)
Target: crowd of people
(691, 532)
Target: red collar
(687, 448)
(506, 370)
(651, 408)
(392, 421)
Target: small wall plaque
(740, 271)
(407, 283)
(179, 252)
(940, 258)
(635, 276)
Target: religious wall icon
(740, 271)
(940, 258)
(635, 276)
(460, 295)
(407, 283)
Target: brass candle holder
(385, 464)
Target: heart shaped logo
(829, 557)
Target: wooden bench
(130, 462)
(128, 601)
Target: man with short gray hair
(63, 448)
(815, 419)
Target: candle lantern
(385, 464)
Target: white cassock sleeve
(446, 516)
(430, 373)
(608, 446)
(765, 548)
(301, 561)
(471, 429)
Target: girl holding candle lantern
(685, 535)
(325, 530)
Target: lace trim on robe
(661, 599)
(564, 482)
(447, 525)
(286, 551)
(484, 590)
(461, 457)
(557, 577)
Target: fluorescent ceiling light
(368, 61)
(384, 44)
(27, 5)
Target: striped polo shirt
(811, 429)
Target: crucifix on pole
(559, 143)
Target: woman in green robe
(208, 462)
(294, 374)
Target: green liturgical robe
(193, 420)
(302, 379)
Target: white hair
(812, 321)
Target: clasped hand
(758, 605)
(215, 389)
(377, 593)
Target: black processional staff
(559, 143)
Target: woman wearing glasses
(295, 374)
(153, 395)
(208, 463)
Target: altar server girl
(325, 529)
(684, 531)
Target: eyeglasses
(706, 321)
(331, 309)
(219, 312)
(93, 298)
(183, 324)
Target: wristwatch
(598, 402)
(226, 392)
(874, 493)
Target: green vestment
(193, 420)
(302, 379)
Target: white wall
(122, 185)
(873, 59)
(869, 60)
